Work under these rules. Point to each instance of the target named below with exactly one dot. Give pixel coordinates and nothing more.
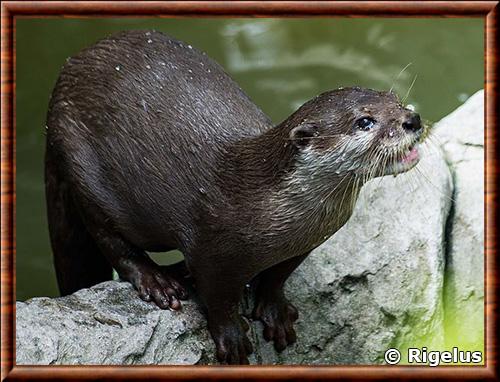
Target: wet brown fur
(151, 146)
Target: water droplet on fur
(117, 68)
(190, 47)
(149, 41)
(202, 190)
(391, 133)
(410, 107)
(148, 33)
(190, 71)
(337, 172)
(162, 63)
(148, 66)
(208, 70)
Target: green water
(280, 63)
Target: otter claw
(164, 291)
(232, 344)
(277, 317)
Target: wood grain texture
(491, 192)
(253, 8)
(8, 197)
(10, 10)
(343, 373)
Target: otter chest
(298, 229)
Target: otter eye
(365, 123)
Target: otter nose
(413, 123)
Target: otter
(151, 146)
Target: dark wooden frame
(12, 9)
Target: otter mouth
(405, 161)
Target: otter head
(356, 131)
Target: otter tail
(77, 259)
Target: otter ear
(301, 135)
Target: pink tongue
(412, 155)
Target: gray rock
(378, 283)
(109, 324)
(462, 137)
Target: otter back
(141, 120)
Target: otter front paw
(278, 316)
(232, 344)
(160, 288)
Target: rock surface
(461, 135)
(108, 324)
(377, 283)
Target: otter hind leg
(78, 261)
(272, 307)
(86, 250)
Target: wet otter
(151, 146)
